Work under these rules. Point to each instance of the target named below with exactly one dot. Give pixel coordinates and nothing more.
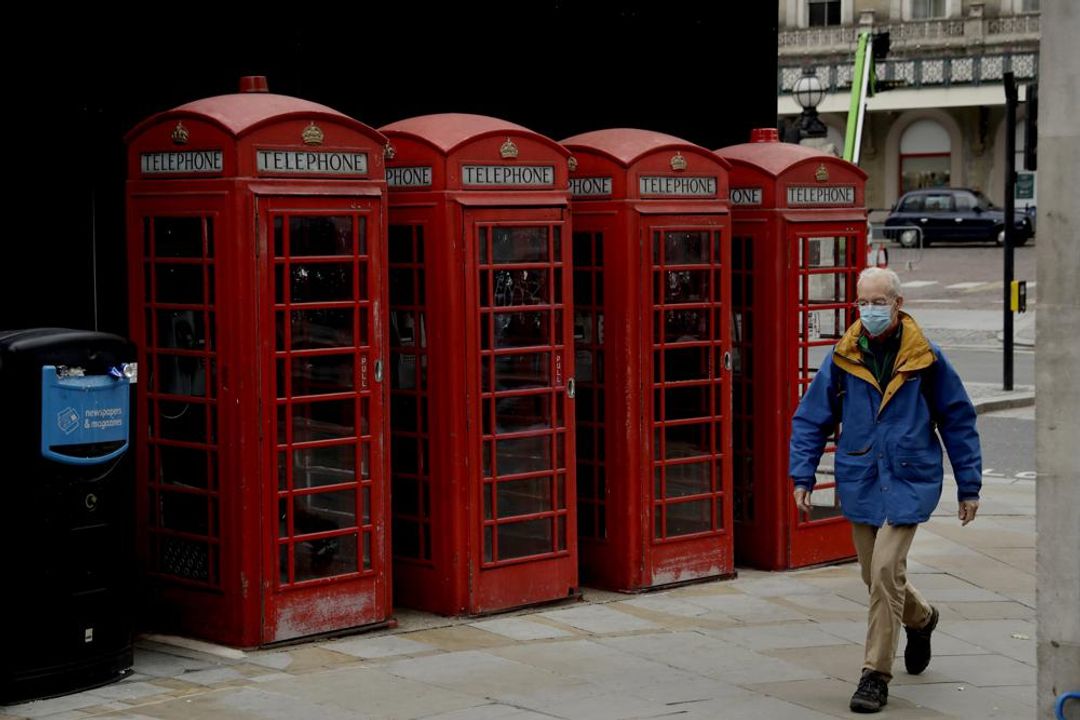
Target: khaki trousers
(883, 560)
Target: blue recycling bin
(67, 513)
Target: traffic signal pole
(1010, 222)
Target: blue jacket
(888, 458)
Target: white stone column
(1057, 358)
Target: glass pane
(686, 363)
(521, 539)
(313, 467)
(400, 245)
(320, 236)
(324, 511)
(522, 244)
(686, 325)
(687, 440)
(324, 420)
(523, 329)
(179, 284)
(402, 287)
(405, 452)
(403, 408)
(524, 497)
(516, 372)
(182, 466)
(689, 517)
(184, 513)
(521, 287)
(182, 421)
(325, 558)
(322, 374)
(406, 534)
(686, 286)
(685, 402)
(522, 455)
(829, 288)
(178, 237)
(320, 329)
(406, 496)
(182, 375)
(827, 252)
(319, 282)
(686, 248)
(690, 479)
(522, 413)
(582, 248)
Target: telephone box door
(324, 440)
(825, 273)
(689, 390)
(521, 361)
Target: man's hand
(968, 508)
(802, 500)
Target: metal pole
(1010, 220)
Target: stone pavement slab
(374, 693)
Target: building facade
(944, 124)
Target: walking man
(887, 387)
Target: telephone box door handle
(378, 371)
(570, 388)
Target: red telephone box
(256, 241)
(481, 366)
(652, 338)
(798, 245)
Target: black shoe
(872, 694)
(917, 652)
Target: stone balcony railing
(918, 72)
(916, 34)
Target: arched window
(925, 156)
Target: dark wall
(704, 72)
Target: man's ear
(899, 301)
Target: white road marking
(964, 285)
(919, 283)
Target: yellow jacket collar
(914, 354)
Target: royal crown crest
(180, 134)
(313, 135)
(678, 163)
(509, 150)
(822, 173)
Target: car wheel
(999, 239)
(909, 238)
(1022, 240)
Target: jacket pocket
(917, 468)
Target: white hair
(890, 276)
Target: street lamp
(808, 93)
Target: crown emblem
(180, 134)
(572, 163)
(312, 135)
(389, 152)
(822, 173)
(678, 162)
(509, 150)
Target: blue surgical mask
(876, 318)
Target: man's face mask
(875, 318)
